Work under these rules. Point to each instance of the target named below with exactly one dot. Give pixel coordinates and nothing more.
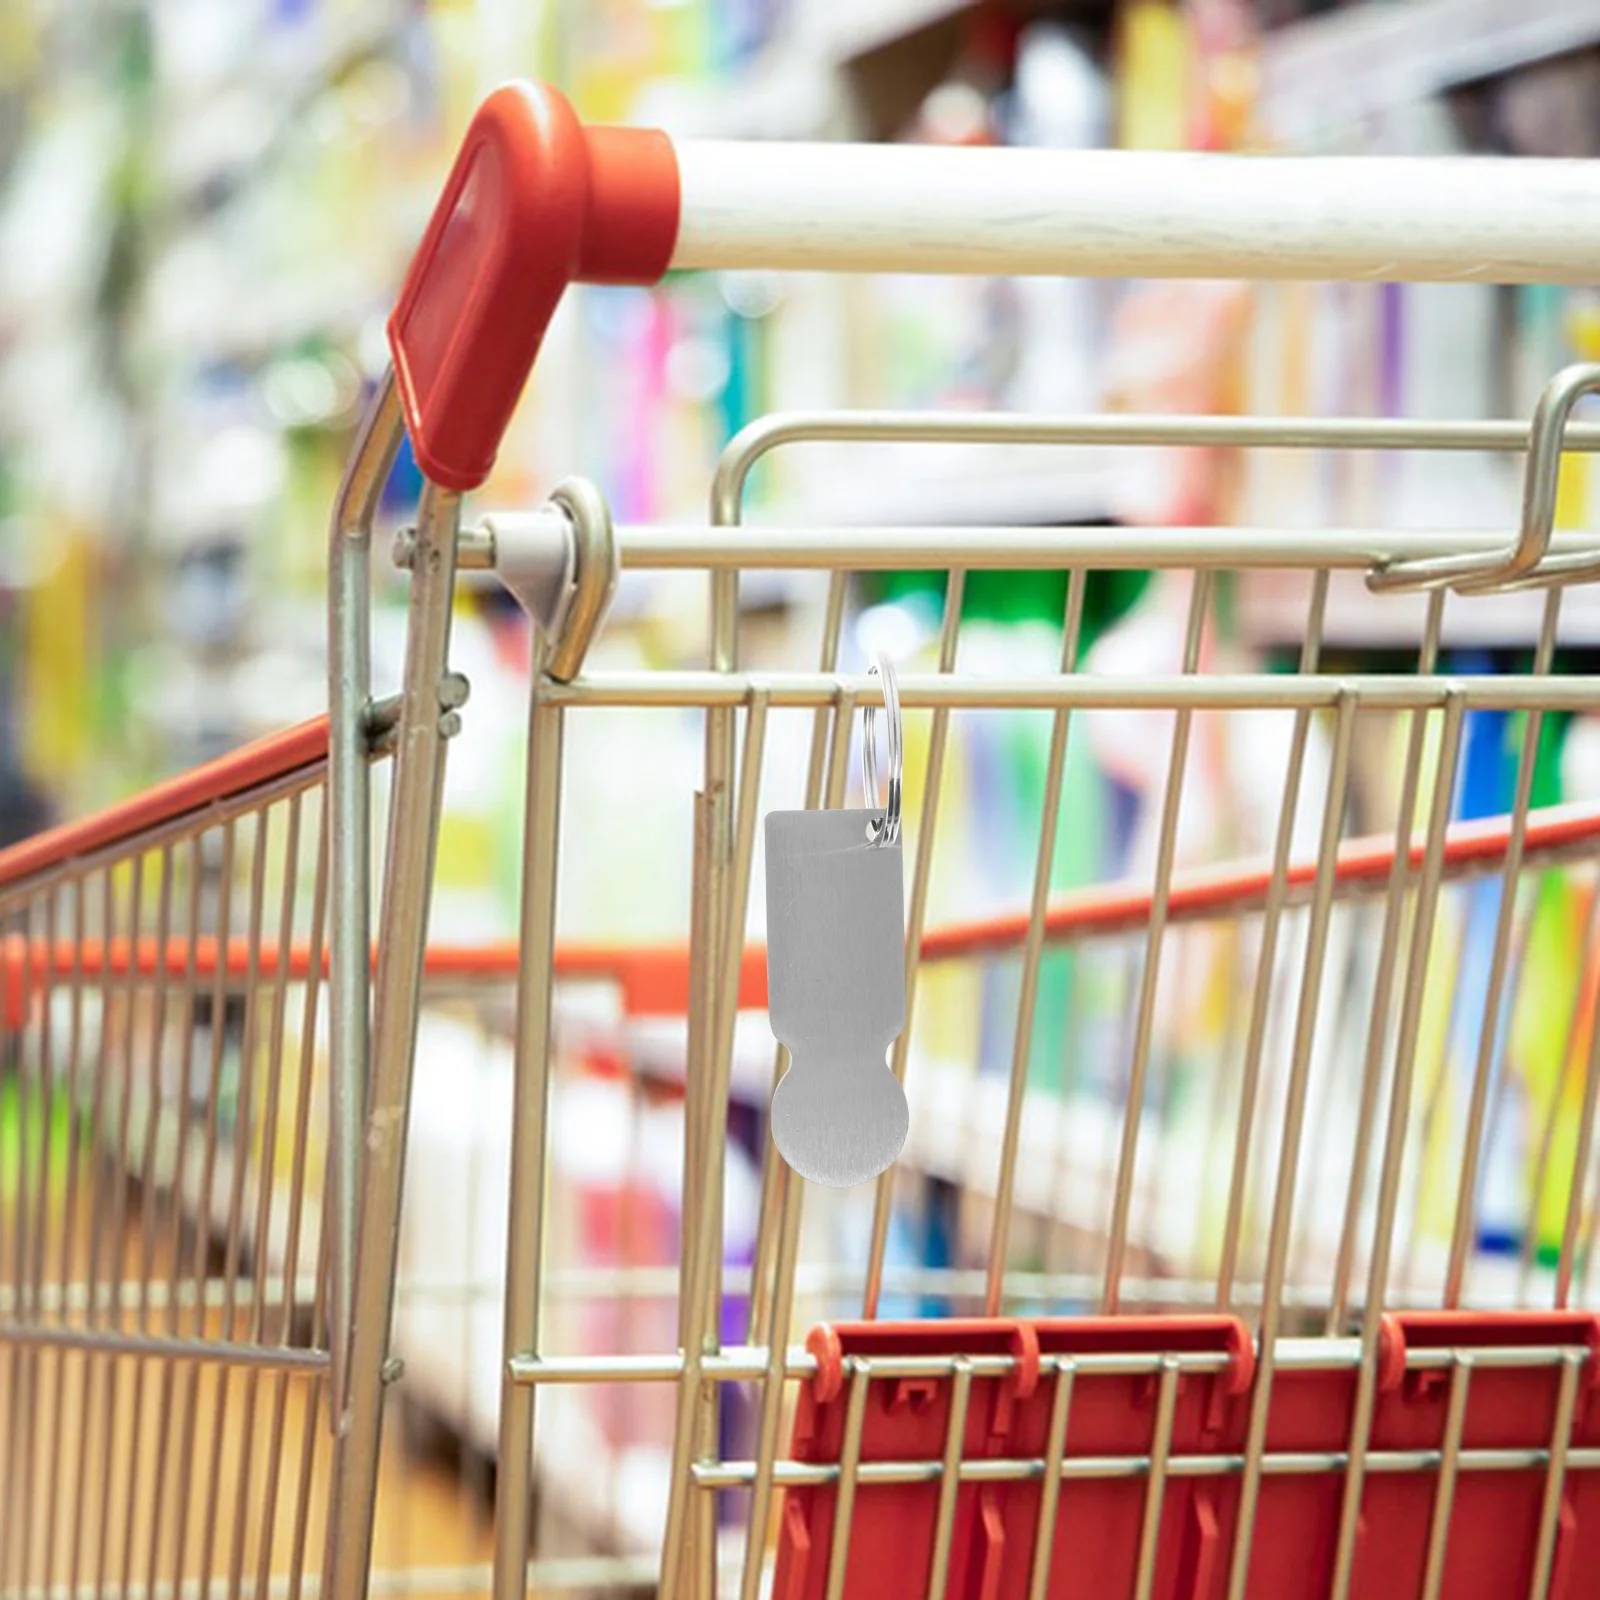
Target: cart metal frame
(560, 204)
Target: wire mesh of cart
(158, 1338)
(168, 1207)
(1233, 1296)
(164, 1298)
(1287, 1295)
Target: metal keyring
(885, 829)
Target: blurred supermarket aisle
(183, 1468)
(204, 212)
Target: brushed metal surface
(836, 992)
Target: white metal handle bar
(917, 208)
(536, 202)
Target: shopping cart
(1211, 1328)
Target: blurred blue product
(1487, 787)
(404, 487)
(921, 1237)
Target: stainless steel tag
(836, 991)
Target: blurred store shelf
(799, 85)
(976, 483)
(1272, 613)
(1329, 73)
(222, 132)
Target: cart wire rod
(743, 1364)
(1216, 692)
(1279, 1463)
(931, 547)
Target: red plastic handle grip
(534, 202)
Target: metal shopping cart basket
(1212, 1321)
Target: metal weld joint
(559, 563)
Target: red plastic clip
(905, 1419)
(1524, 1371)
(1113, 1414)
(992, 1532)
(1496, 1514)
